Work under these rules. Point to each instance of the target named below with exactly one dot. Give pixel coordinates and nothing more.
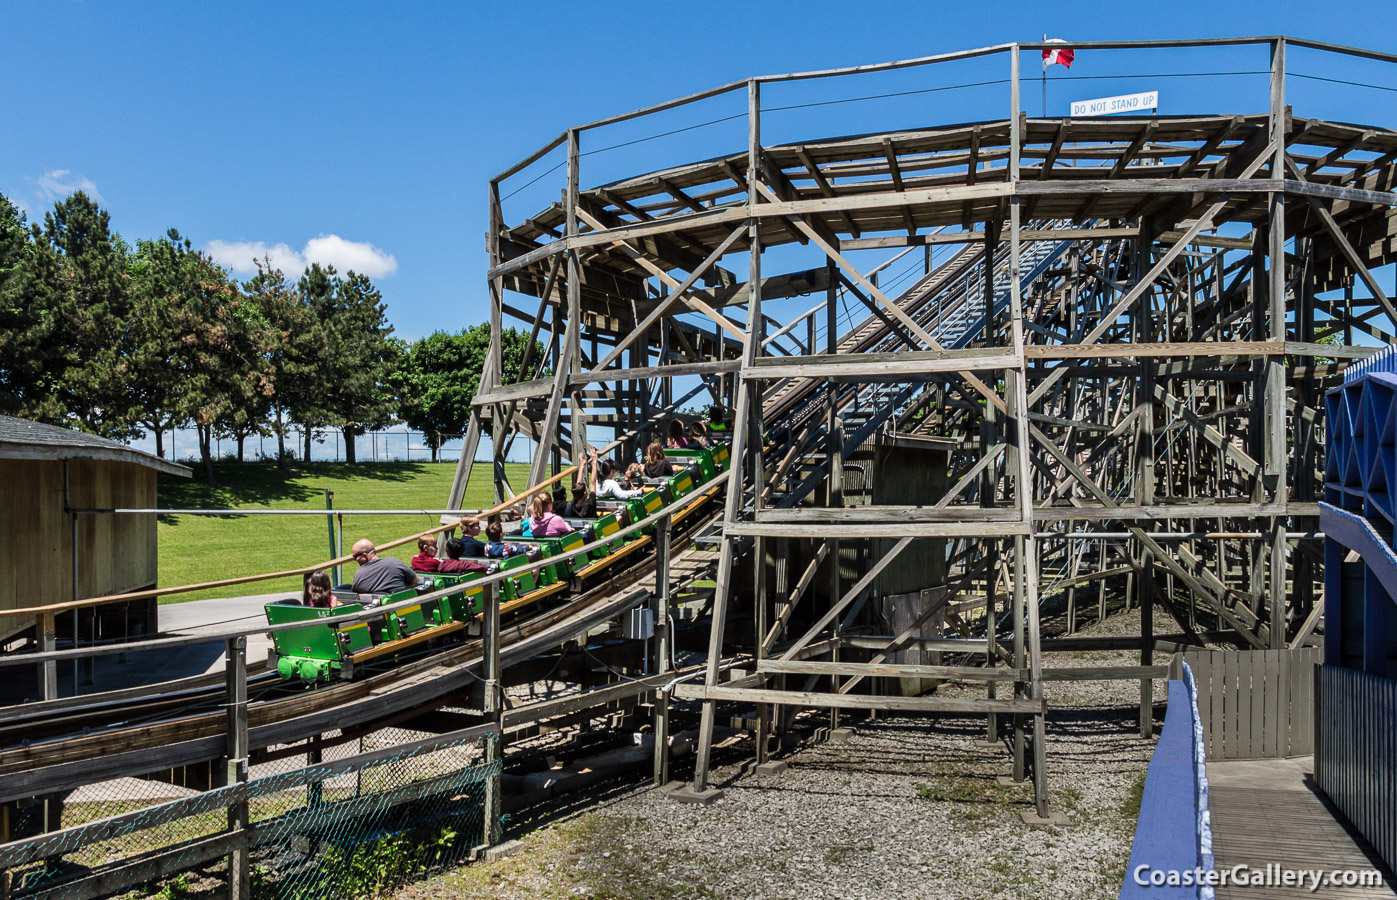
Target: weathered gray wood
(884, 528)
(866, 366)
(857, 701)
(888, 670)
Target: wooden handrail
(69, 605)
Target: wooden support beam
(856, 701)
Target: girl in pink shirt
(542, 521)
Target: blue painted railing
(1173, 849)
(1385, 360)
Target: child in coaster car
(454, 564)
(496, 548)
(426, 558)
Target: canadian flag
(1061, 56)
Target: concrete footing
(771, 767)
(501, 851)
(1008, 781)
(685, 793)
(1054, 817)
(840, 734)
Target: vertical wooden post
(834, 451)
(239, 867)
(759, 601)
(1016, 382)
(314, 756)
(740, 428)
(1277, 455)
(1145, 473)
(1020, 687)
(48, 669)
(662, 648)
(574, 350)
(494, 749)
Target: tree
(199, 344)
(167, 277)
(358, 352)
(19, 322)
(69, 358)
(440, 374)
(285, 347)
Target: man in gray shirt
(379, 574)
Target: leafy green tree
(197, 344)
(358, 354)
(286, 347)
(71, 358)
(166, 275)
(19, 320)
(440, 374)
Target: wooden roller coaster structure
(1128, 349)
(1125, 347)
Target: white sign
(1126, 103)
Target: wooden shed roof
(23, 439)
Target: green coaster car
(703, 458)
(315, 652)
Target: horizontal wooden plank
(523, 390)
(858, 515)
(1105, 673)
(887, 670)
(674, 370)
(876, 529)
(856, 701)
(897, 366)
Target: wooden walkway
(1265, 812)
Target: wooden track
(399, 693)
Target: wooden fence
(1255, 704)
(1356, 752)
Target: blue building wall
(1359, 518)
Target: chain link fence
(341, 816)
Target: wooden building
(58, 548)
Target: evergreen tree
(70, 358)
(361, 359)
(19, 320)
(440, 374)
(286, 348)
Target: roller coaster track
(62, 743)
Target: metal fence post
(330, 523)
(239, 870)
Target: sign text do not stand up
(1125, 103)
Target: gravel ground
(909, 807)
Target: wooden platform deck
(1265, 812)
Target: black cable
(522, 186)
(1376, 87)
(949, 87)
(653, 137)
(1160, 75)
(587, 653)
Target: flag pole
(1045, 83)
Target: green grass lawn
(207, 548)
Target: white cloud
(60, 183)
(240, 257)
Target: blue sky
(365, 133)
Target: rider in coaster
(379, 574)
